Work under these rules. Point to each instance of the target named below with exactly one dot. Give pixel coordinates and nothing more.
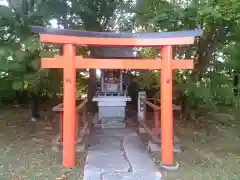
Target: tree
(94, 15)
(90, 15)
(20, 49)
(213, 52)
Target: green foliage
(148, 80)
(217, 50)
(148, 53)
(20, 49)
(17, 85)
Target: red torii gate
(70, 62)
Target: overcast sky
(3, 2)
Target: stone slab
(106, 159)
(111, 126)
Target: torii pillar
(69, 105)
(70, 62)
(166, 106)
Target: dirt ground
(26, 148)
(209, 153)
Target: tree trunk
(207, 46)
(92, 82)
(235, 84)
(35, 106)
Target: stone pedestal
(112, 110)
(112, 122)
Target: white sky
(4, 2)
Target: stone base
(112, 126)
(109, 122)
(96, 119)
(81, 145)
(172, 167)
(153, 147)
(157, 140)
(112, 122)
(79, 148)
(142, 130)
(97, 125)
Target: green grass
(210, 152)
(26, 150)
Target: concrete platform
(109, 158)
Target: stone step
(109, 122)
(96, 122)
(112, 122)
(113, 126)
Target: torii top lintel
(65, 36)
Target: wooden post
(156, 122)
(77, 125)
(145, 111)
(61, 125)
(69, 105)
(166, 106)
(84, 114)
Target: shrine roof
(153, 35)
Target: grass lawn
(26, 148)
(210, 151)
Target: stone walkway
(118, 154)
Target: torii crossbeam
(70, 62)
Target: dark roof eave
(154, 35)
